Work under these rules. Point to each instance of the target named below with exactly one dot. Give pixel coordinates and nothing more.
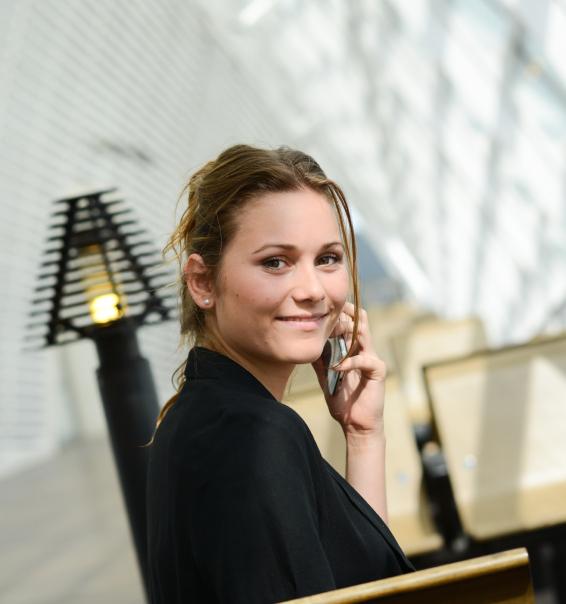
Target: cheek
(338, 287)
(248, 294)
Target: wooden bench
(408, 515)
(496, 579)
(426, 342)
(501, 422)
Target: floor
(64, 537)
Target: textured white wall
(95, 95)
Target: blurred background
(445, 123)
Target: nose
(308, 286)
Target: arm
(365, 469)
(358, 408)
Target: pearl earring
(207, 301)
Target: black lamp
(96, 285)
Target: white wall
(96, 95)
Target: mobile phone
(334, 351)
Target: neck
(273, 375)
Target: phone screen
(334, 351)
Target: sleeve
(256, 524)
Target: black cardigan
(242, 508)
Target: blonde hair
(216, 195)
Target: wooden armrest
(497, 578)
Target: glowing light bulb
(105, 308)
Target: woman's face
(283, 279)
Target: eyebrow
(294, 248)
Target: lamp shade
(97, 272)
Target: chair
(501, 421)
(496, 579)
(385, 322)
(408, 516)
(408, 512)
(426, 342)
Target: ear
(198, 281)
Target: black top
(242, 508)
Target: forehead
(289, 217)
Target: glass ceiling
(445, 122)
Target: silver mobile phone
(334, 351)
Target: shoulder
(264, 423)
(212, 419)
(210, 400)
(258, 448)
(256, 411)
(227, 448)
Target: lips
(310, 318)
(303, 323)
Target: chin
(301, 353)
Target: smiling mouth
(302, 319)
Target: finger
(348, 337)
(349, 309)
(339, 330)
(342, 327)
(347, 330)
(364, 334)
(371, 366)
(347, 316)
(345, 327)
(361, 343)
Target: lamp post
(96, 285)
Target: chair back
(501, 421)
(430, 341)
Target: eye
(274, 263)
(328, 259)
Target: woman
(241, 506)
